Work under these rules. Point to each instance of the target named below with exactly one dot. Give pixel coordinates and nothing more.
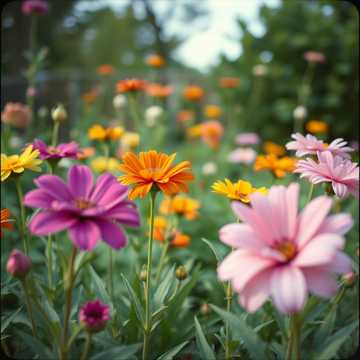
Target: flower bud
(349, 279)
(181, 273)
(205, 309)
(152, 115)
(119, 102)
(94, 315)
(59, 113)
(300, 112)
(143, 273)
(18, 264)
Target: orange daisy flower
(150, 169)
(211, 132)
(317, 127)
(130, 85)
(156, 61)
(185, 116)
(158, 90)
(193, 93)
(229, 82)
(105, 69)
(278, 166)
(180, 205)
(272, 148)
(5, 220)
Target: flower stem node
(181, 273)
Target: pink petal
(84, 234)
(102, 185)
(339, 224)
(38, 198)
(311, 218)
(124, 214)
(320, 283)
(288, 289)
(80, 181)
(256, 291)
(114, 195)
(341, 264)
(54, 186)
(112, 234)
(340, 190)
(292, 201)
(49, 222)
(239, 236)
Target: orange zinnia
(5, 220)
(211, 132)
(130, 85)
(180, 205)
(278, 166)
(155, 61)
(272, 148)
(185, 116)
(105, 69)
(193, 93)
(229, 82)
(90, 96)
(317, 127)
(158, 90)
(150, 169)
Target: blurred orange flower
(90, 96)
(130, 85)
(98, 132)
(278, 166)
(212, 111)
(185, 116)
(180, 240)
(272, 148)
(105, 69)
(150, 169)
(158, 90)
(193, 93)
(85, 153)
(6, 222)
(180, 205)
(16, 114)
(229, 82)
(210, 131)
(156, 61)
(317, 127)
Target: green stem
(22, 215)
(111, 281)
(85, 353)
(147, 327)
(55, 133)
(69, 284)
(293, 351)
(311, 190)
(161, 262)
(227, 325)
(28, 306)
(134, 112)
(50, 262)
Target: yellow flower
(272, 148)
(130, 140)
(98, 132)
(101, 164)
(317, 127)
(180, 205)
(212, 111)
(236, 191)
(278, 166)
(18, 163)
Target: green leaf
(212, 248)
(169, 355)
(204, 347)
(135, 301)
(37, 346)
(118, 352)
(6, 322)
(99, 287)
(333, 343)
(164, 287)
(252, 341)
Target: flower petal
(84, 234)
(339, 224)
(49, 222)
(112, 234)
(38, 198)
(54, 186)
(80, 181)
(239, 236)
(320, 283)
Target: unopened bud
(59, 113)
(205, 309)
(18, 264)
(181, 273)
(143, 273)
(349, 279)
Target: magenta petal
(38, 199)
(112, 234)
(80, 181)
(49, 222)
(102, 185)
(55, 186)
(84, 234)
(114, 195)
(124, 214)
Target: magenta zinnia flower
(343, 174)
(281, 254)
(94, 315)
(90, 212)
(66, 150)
(309, 144)
(39, 7)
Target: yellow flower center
(288, 249)
(52, 150)
(83, 204)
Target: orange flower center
(83, 204)
(151, 173)
(52, 150)
(288, 249)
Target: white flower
(260, 70)
(300, 112)
(152, 115)
(16, 141)
(209, 168)
(119, 101)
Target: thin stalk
(227, 325)
(161, 262)
(311, 190)
(85, 353)
(293, 351)
(147, 327)
(28, 306)
(55, 133)
(69, 284)
(50, 260)
(134, 112)
(22, 215)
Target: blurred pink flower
(39, 7)
(66, 150)
(314, 56)
(309, 144)
(247, 139)
(94, 315)
(31, 91)
(242, 156)
(16, 114)
(342, 173)
(89, 212)
(281, 254)
(18, 264)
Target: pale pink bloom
(309, 144)
(343, 174)
(242, 156)
(281, 254)
(16, 114)
(247, 139)
(314, 57)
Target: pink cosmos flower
(247, 139)
(309, 144)
(94, 315)
(314, 57)
(343, 174)
(281, 254)
(18, 264)
(39, 7)
(66, 150)
(89, 212)
(242, 156)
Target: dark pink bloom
(18, 264)
(67, 150)
(39, 7)
(341, 173)
(314, 57)
(283, 254)
(94, 315)
(89, 212)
